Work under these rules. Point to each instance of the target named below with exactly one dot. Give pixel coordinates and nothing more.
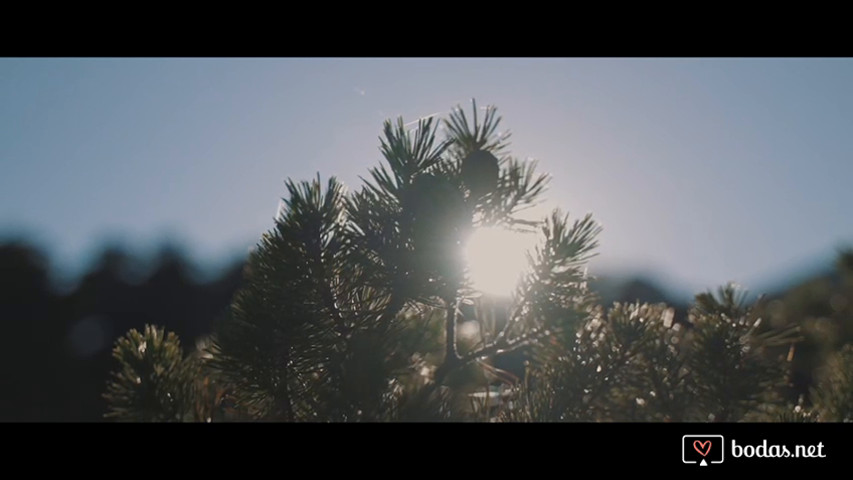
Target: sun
(496, 259)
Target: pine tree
(351, 308)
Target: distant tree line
(55, 346)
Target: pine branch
(480, 136)
(154, 382)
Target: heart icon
(702, 447)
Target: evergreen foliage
(155, 382)
(351, 310)
(833, 393)
(631, 362)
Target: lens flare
(496, 259)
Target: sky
(700, 171)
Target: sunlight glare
(496, 259)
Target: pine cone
(480, 173)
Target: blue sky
(700, 170)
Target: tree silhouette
(31, 363)
(352, 306)
(55, 350)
